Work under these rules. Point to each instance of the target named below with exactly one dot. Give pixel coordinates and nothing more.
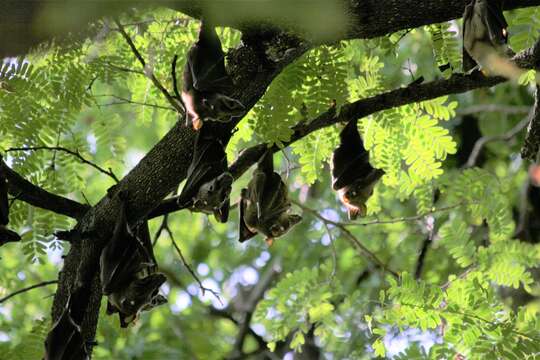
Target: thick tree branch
(24, 25)
(457, 83)
(24, 190)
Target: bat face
(265, 205)
(485, 34)
(213, 197)
(141, 294)
(353, 176)
(206, 82)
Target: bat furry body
(485, 38)
(208, 184)
(353, 177)
(265, 205)
(205, 82)
(128, 271)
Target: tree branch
(175, 103)
(457, 83)
(479, 145)
(23, 290)
(363, 250)
(36, 196)
(75, 153)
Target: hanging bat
(485, 38)
(353, 177)
(205, 82)
(65, 340)
(208, 184)
(140, 295)
(265, 205)
(6, 235)
(128, 270)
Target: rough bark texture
(24, 24)
(166, 163)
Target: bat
(128, 270)
(265, 204)
(205, 82)
(353, 177)
(208, 184)
(65, 340)
(485, 38)
(140, 295)
(6, 235)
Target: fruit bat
(128, 271)
(485, 36)
(265, 205)
(353, 177)
(206, 81)
(208, 184)
(65, 340)
(6, 235)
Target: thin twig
(483, 108)
(174, 103)
(186, 264)
(164, 226)
(407, 218)
(68, 151)
(362, 248)
(480, 143)
(23, 290)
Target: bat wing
(207, 62)
(467, 60)
(4, 205)
(65, 340)
(209, 161)
(347, 155)
(495, 22)
(244, 232)
(222, 213)
(358, 168)
(119, 259)
(145, 244)
(276, 198)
